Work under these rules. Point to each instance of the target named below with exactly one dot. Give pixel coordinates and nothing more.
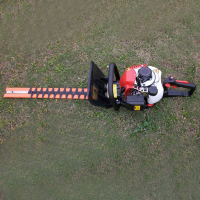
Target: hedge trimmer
(138, 88)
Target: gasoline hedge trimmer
(138, 88)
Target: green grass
(57, 149)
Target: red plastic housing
(127, 80)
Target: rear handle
(172, 82)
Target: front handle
(113, 70)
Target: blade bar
(47, 93)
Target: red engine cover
(127, 80)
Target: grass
(72, 150)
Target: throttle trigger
(167, 85)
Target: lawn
(59, 149)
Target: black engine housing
(135, 102)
